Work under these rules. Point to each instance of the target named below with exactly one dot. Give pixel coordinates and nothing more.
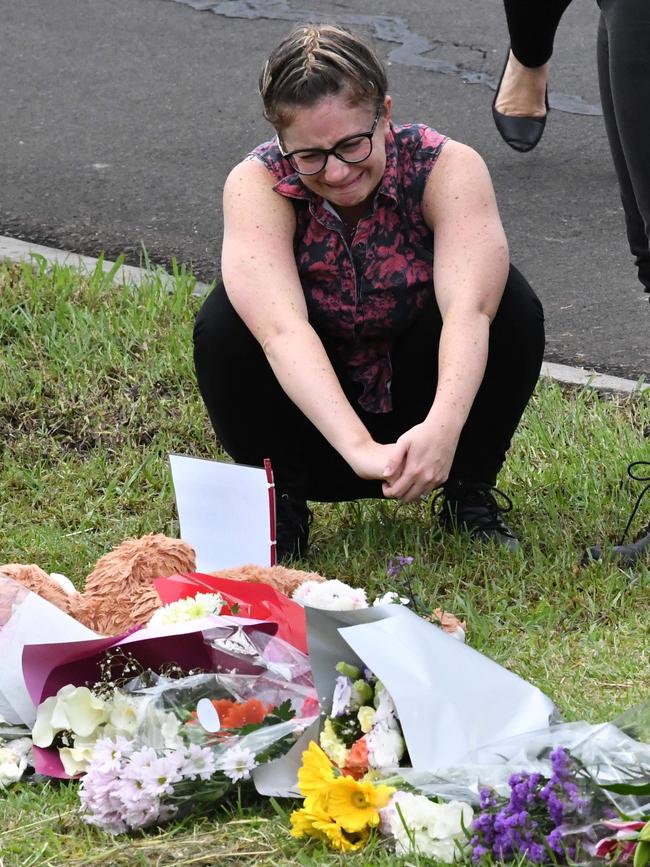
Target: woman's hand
(422, 460)
(371, 459)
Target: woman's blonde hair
(317, 61)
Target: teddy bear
(119, 592)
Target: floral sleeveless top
(363, 294)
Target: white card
(208, 715)
(224, 511)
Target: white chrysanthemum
(237, 763)
(201, 605)
(199, 762)
(331, 595)
(109, 753)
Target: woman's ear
(388, 107)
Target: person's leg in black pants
(624, 78)
(532, 25)
(254, 419)
(520, 103)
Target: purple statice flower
(554, 841)
(531, 822)
(487, 798)
(536, 853)
(396, 564)
(561, 792)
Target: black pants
(624, 78)
(532, 25)
(254, 419)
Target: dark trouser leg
(515, 356)
(532, 25)
(250, 413)
(254, 419)
(514, 362)
(624, 77)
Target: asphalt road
(119, 120)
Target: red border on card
(269, 478)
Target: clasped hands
(413, 466)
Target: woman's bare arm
(470, 272)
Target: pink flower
(310, 707)
(623, 844)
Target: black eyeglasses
(354, 149)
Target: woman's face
(323, 125)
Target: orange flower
(356, 764)
(448, 621)
(234, 714)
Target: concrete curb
(591, 378)
(17, 251)
(21, 251)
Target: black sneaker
(292, 521)
(474, 509)
(628, 554)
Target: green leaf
(641, 855)
(348, 670)
(628, 788)
(283, 712)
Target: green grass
(97, 389)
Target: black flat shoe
(521, 133)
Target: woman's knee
(217, 321)
(520, 312)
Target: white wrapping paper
(451, 700)
(28, 619)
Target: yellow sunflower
(355, 805)
(316, 774)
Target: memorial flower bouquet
(343, 812)
(130, 783)
(534, 820)
(171, 718)
(362, 731)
